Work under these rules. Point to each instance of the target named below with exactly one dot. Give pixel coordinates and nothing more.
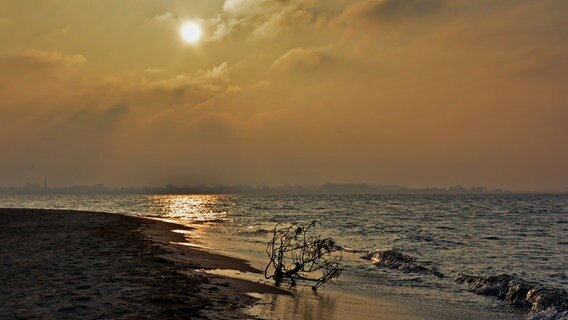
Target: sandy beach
(71, 265)
(74, 265)
(59, 264)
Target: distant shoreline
(328, 188)
(165, 193)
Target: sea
(441, 237)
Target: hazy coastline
(313, 189)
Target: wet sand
(80, 265)
(337, 302)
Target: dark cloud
(388, 10)
(400, 8)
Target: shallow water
(522, 235)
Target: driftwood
(297, 253)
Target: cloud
(261, 19)
(223, 28)
(97, 120)
(154, 71)
(298, 58)
(215, 28)
(397, 8)
(281, 20)
(219, 73)
(156, 87)
(164, 16)
(251, 7)
(540, 63)
(205, 79)
(234, 89)
(262, 84)
(266, 19)
(389, 10)
(39, 58)
(255, 7)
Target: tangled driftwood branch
(296, 251)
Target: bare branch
(297, 253)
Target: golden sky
(410, 92)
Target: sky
(410, 92)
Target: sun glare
(191, 32)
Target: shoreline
(76, 264)
(338, 302)
(93, 256)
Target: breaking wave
(394, 259)
(544, 303)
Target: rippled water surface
(523, 235)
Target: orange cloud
(39, 58)
(398, 91)
(298, 58)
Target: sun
(191, 32)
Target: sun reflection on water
(194, 208)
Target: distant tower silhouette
(45, 183)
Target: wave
(394, 259)
(548, 314)
(257, 231)
(544, 303)
(349, 250)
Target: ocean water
(525, 236)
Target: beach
(67, 264)
(63, 264)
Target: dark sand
(80, 265)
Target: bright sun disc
(191, 32)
